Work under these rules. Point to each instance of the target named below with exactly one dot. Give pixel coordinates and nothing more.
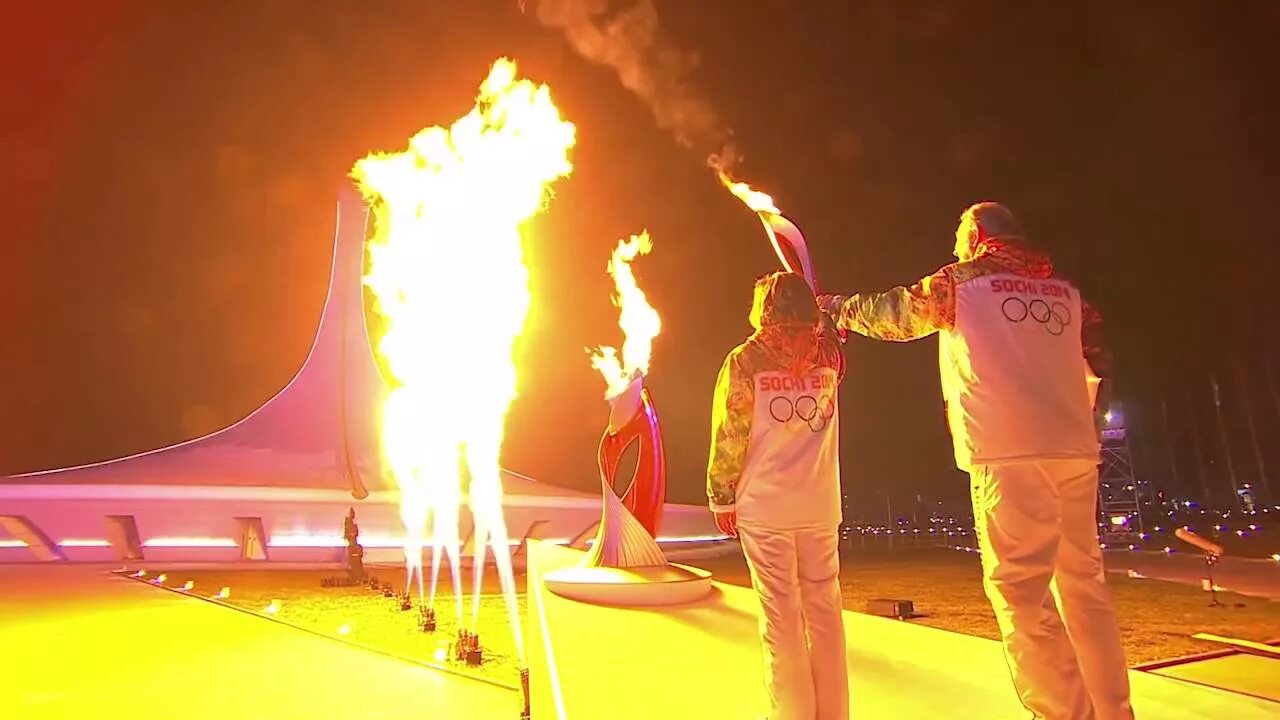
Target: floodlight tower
(1119, 496)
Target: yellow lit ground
(1157, 618)
(77, 642)
(371, 619)
(702, 659)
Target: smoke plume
(625, 35)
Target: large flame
(639, 321)
(756, 200)
(447, 270)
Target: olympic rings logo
(1055, 318)
(814, 412)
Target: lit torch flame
(447, 270)
(788, 242)
(754, 199)
(637, 318)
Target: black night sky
(169, 169)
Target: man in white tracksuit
(773, 480)
(1016, 346)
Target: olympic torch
(785, 236)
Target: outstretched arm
(731, 413)
(1097, 355)
(901, 314)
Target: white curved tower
(276, 484)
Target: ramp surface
(1249, 674)
(81, 643)
(702, 660)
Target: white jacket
(1016, 347)
(775, 435)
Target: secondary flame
(447, 270)
(639, 321)
(756, 200)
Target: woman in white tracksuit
(774, 481)
(1016, 346)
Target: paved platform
(702, 660)
(1250, 674)
(78, 642)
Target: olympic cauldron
(625, 566)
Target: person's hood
(995, 233)
(1016, 257)
(784, 313)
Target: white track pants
(797, 577)
(1042, 569)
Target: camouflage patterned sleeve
(731, 413)
(903, 313)
(831, 352)
(1096, 350)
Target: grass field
(1157, 618)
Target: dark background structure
(168, 172)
